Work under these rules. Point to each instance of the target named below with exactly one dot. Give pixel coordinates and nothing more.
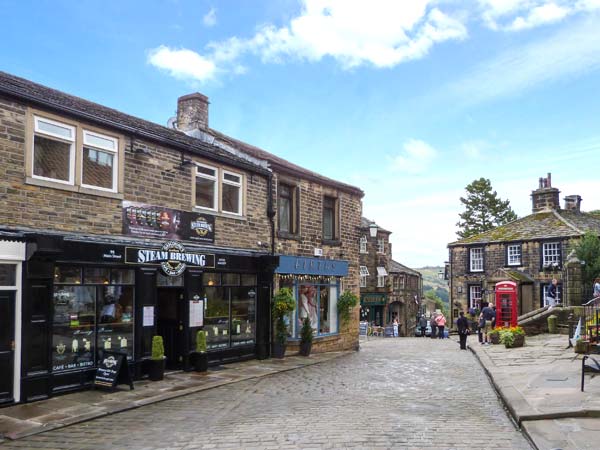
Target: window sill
(290, 236)
(72, 188)
(332, 242)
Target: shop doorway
(7, 345)
(170, 324)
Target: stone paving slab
(540, 385)
(33, 418)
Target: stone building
(388, 289)
(530, 251)
(114, 229)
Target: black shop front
(83, 296)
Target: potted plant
(512, 337)
(200, 356)
(306, 337)
(345, 303)
(582, 346)
(283, 304)
(157, 360)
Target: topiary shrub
(158, 348)
(201, 341)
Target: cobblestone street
(405, 393)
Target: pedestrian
(462, 324)
(486, 318)
(433, 325)
(395, 326)
(423, 325)
(597, 288)
(440, 321)
(551, 294)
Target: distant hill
(431, 280)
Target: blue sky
(409, 100)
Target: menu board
(113, 369)
(196, 313)
(148, 318)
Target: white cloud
(380, 33)
(415, 157)
(573, 51)
(182, 63)
(210, 18)
(517, 15)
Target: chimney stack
(545, 198)
(192, 112)
(573, 203)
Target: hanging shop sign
(150, 221)
(172, 258)
(312, 266)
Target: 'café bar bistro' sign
(172, 258)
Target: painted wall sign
(373, 299)
(172, 258)
(312, 266)
(140, 219)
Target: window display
(318, 302)
(216, 321)
(91, 317)
(243, 316)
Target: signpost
(363, 328)
(113, 369)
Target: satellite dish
(172, 123)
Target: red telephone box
(506, 304)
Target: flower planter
(278, 350)
(518, 342)
(305, 348)
(495, 338)
(582, 347)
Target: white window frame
(513, 258)
(364, 275)
(114, 151)
(381, 246)
(472, 290)
(381, 276)
(476, 261)
(551, 258)
(233, 183)
(363, 244)
(57, 137)
(215, 180)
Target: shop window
(91, 317)
(287, 202)
(62, 149)
(318, 302)
(230, 314)
(8, 275)
(330, 219)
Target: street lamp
(373, 229)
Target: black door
(170, 324)
(7, 345)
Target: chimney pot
(546, 197)
(573, 203)
(192, 112)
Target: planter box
(156, 370)
(495, 338)
(518, 342)
(278, 350)
(305, 348)
(582, 347)
(200, 361)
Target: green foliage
(345, 303)
(306, 332)
(201, 341)
(439, 304)
(507, 338)
(281, 331)
(588, 250)
(158, 348)
(283, 303)
(483, 209)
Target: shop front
(372, 307)
(316, 284)
(83, 297)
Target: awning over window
(381, 272)
(364, 271)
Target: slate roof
(83, 109)
(366, 223)
(541, 225)
(396, 267)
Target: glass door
(7, 345)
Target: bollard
(552, 324)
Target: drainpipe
(271, 211)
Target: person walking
(487, 318)
(433, 325)
(462, 324)
(440, 321)
(551, 294)
(423, 325)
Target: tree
(439, 304)
(588, 250)
(483, 209)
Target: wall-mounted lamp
(373, 229)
